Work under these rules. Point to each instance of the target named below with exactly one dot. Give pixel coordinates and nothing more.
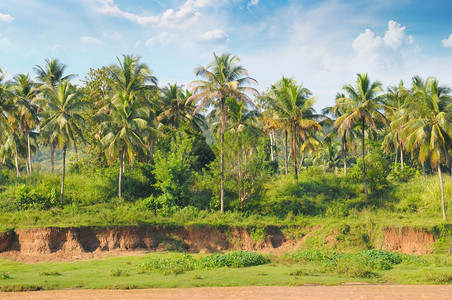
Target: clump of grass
(118, 273)
(298, 272)
(172, 265)
(239, 259)
(50, 273)
(361, 264)
(4, 275)
(440, 278)
(196, 276)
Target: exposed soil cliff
(49, 243)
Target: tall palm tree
(395, 99)
(62, 117)
(293, 105)
(126, 117)
(24, 90)
(347, 135)
(361, 107)
(223, 78)
(51, 74)
(177, 109)
(429, 125)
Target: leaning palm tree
(5, 103)
(429, 125)
(361, 107)
(223, 78)
(62, 118)
(24, 91)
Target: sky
(323, 44)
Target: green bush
(167, 266)
(377, 170)
(118, 273)
(239, 259)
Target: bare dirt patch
(396, 292)
(407, 240)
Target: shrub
(4, 275)
(118, 273)
(49, 273)
(172, 265)
(239, 259)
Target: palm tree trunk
(401, 158)
(52, 157)
(285, 152)
(29, 150)
(364, 162)
(294, 153)
(16, 160)
(443, 202)
(120, 174)
(272, 155)
(344, 153)
(63, 173)
(423, 171)
(26, 167)
(223, 109)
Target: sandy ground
(395, 292)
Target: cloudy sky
(323, 44)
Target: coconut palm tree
(126, 117)
(51, 74)
(395, 99)
(429, 125)
(62, 117)
(177, 109)
(361, 107)
(24, 91)
(223, 78)
(293, 106)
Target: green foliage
(173, 170)
(118, 273)
(377, 170)
(4, 275)
(169, 266)
(439, 277)
(239, 259)
(49, 273)
(404, 175)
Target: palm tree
(395, 99)
(346, 135)
(223, 78)
(24, 90)
(177, 108)
(361, 107)
(62, 118)
(429, 128)
(126, 117)
(51, 74)
(293, 106)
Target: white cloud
(160, 39)
(181, 17)
(89, 40)
(252, 3)
(447, 42)
(5, 18)
(55, 47)
(215, 36)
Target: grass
(124, 272)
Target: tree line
(220, 123)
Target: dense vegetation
(139, 153)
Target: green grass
(124, 272)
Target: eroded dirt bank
(49, 243)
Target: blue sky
(323, 44)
